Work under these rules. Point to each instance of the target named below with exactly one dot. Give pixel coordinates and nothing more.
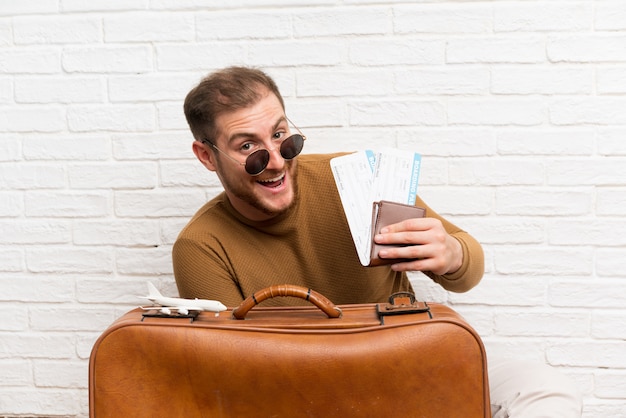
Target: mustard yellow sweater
(222, 255)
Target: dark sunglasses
(256, 162)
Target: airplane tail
(153, 292)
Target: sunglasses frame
(206, 141)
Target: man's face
(260, 126)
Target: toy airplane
(183, 306)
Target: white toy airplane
(182, 306)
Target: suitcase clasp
(402, 303)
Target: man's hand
(428, 245)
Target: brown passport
(386, 213)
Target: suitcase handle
(310, 295)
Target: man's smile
(273, 182)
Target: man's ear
(204, 154)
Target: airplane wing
(167, 310)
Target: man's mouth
(273, 182)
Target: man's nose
(276, 162)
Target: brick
(587, 48)
(28, 345)
(149, 27)
(63, 204)
(40, 289)
(594, 408)
(587, 354)
(549, 261)
(443, 81)
(529, 349)
(30, 60)
(506, 291)
(10, 148)
(608, 325)
(59, 90)
(186, 174)
(588, 294)
(339, 21)
(610, 385)
(527, 50)
(85, 342)
(103, 5)
(540, 141)
(497, 112)
(67, 147)
(113, 292)
(12, 260)
(598, 233)
(57, 29)
(62, 260)
(19, 317)
(198, 56)
(448, 142)
(479, 319)
(344, 83)
(474, 18)
(243, 24)
(153, 146)
(170, 117)
(47, 402)
(113, 176)
(398, 52)
(316, 112)
(119, 233)
(610, 15)
(61, 374)
(107, 59)
(12, 204)
(493, 172)
(555, 16)
(72, 318)
(148, 88)
(6, 91)
(32, 119)
(548, 202)
(115, 118)
(477, 201)
(542, 80)
(505, 230)
(11, 8)
(611, 80)
(6, 32)
(144, 262)
(591, 110)
(586, 172)
(170, 228)
(609, 262)
(302, 53)
(159, 203)
(611, 141)
(541, 323)
(396, 113)
(16, 373)
(35, 232)
(333, 139)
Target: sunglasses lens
(291, 147)
(257, 161)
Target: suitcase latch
(402, 303)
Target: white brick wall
(518, 108)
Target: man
(280, 220)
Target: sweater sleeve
(471, 271)
(199, 273)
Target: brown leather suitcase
(402, 359)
